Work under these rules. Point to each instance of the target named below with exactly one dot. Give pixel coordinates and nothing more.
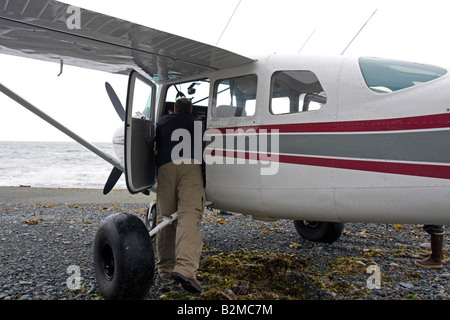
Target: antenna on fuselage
(359, 32)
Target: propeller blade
(115, 101)
(112, 180)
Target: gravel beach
(46, 237)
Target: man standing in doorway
(180, 189)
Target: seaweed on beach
(257, 275)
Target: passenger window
(235, 97)
(296, 91)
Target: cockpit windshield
(386, 76)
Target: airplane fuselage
(329, 139)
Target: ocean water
(54, 165)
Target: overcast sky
(408, 30)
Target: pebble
(406, 285)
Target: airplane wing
(44, 29)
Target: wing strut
(60, 127)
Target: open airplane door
(124, 261)
(140, 168)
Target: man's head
(183, 105)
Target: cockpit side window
(386, 76)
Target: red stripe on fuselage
(410, 169)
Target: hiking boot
(191, 285)
(434, 261)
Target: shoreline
(43, 195)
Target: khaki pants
(179, 245)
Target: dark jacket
(166, 125)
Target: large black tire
(316, 231)
(123, 257)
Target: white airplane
(320, 140)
